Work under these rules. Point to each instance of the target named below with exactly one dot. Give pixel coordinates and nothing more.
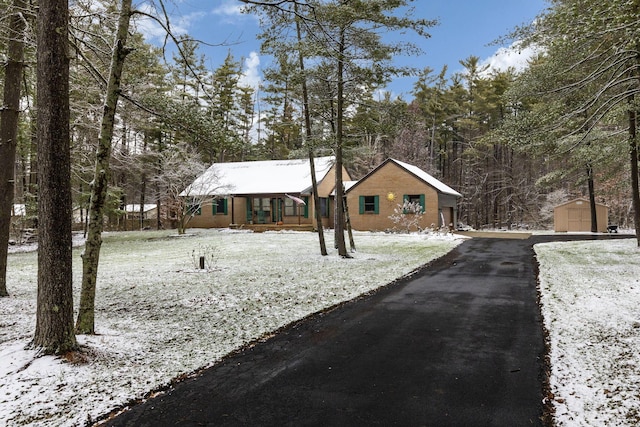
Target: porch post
(233, 210)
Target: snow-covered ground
(590, 295)
(158, 316)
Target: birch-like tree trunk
(54, 315)
(85, 323)
(9, 129)
(633, 157)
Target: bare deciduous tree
(182, 193)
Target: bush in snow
(407, 216)
(204, 257)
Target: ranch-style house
(276, 194)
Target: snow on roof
(435, 183)
(579, 201)
(135, 207)
(347, 185)
(18, 209)
(258, 177)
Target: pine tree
(9, 128)
(54, 317)
(589, 78)
(343, 38)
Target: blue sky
(467, 27)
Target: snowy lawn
(590, 294)
(158, 316)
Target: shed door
(579, 219)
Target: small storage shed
(575, 216)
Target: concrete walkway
(460, 344)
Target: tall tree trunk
(9, 130)
(592, 199)
(352, 243)
(85, 323)
(633, 154)
(339, 190)
(31, 201)
(54, 314)
(309, 135)
(143, 190)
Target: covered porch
(268, 210)
(261, 228)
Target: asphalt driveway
(459, 344)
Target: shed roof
(579, 199)
(135, 207)
(418, 173)
(259, 177)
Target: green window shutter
(225, 206)
(405, 198)
(274, 210)
(376, 204)
(306, 206)
(249, 213)
(361, 199)
(214, 207)
(424, 208)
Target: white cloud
(510, 57)
(251, 77)
(231, 9)
(153, 31)
(228, 9)
(251, 73)
(147, 26)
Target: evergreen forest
(515, 144)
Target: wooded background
(513, 144)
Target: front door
(276, 209)
(262, 209)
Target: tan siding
(329, 182)
(390, 178)
(208, 220)
(325, 188)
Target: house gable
(375, 197)
(417, 173)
